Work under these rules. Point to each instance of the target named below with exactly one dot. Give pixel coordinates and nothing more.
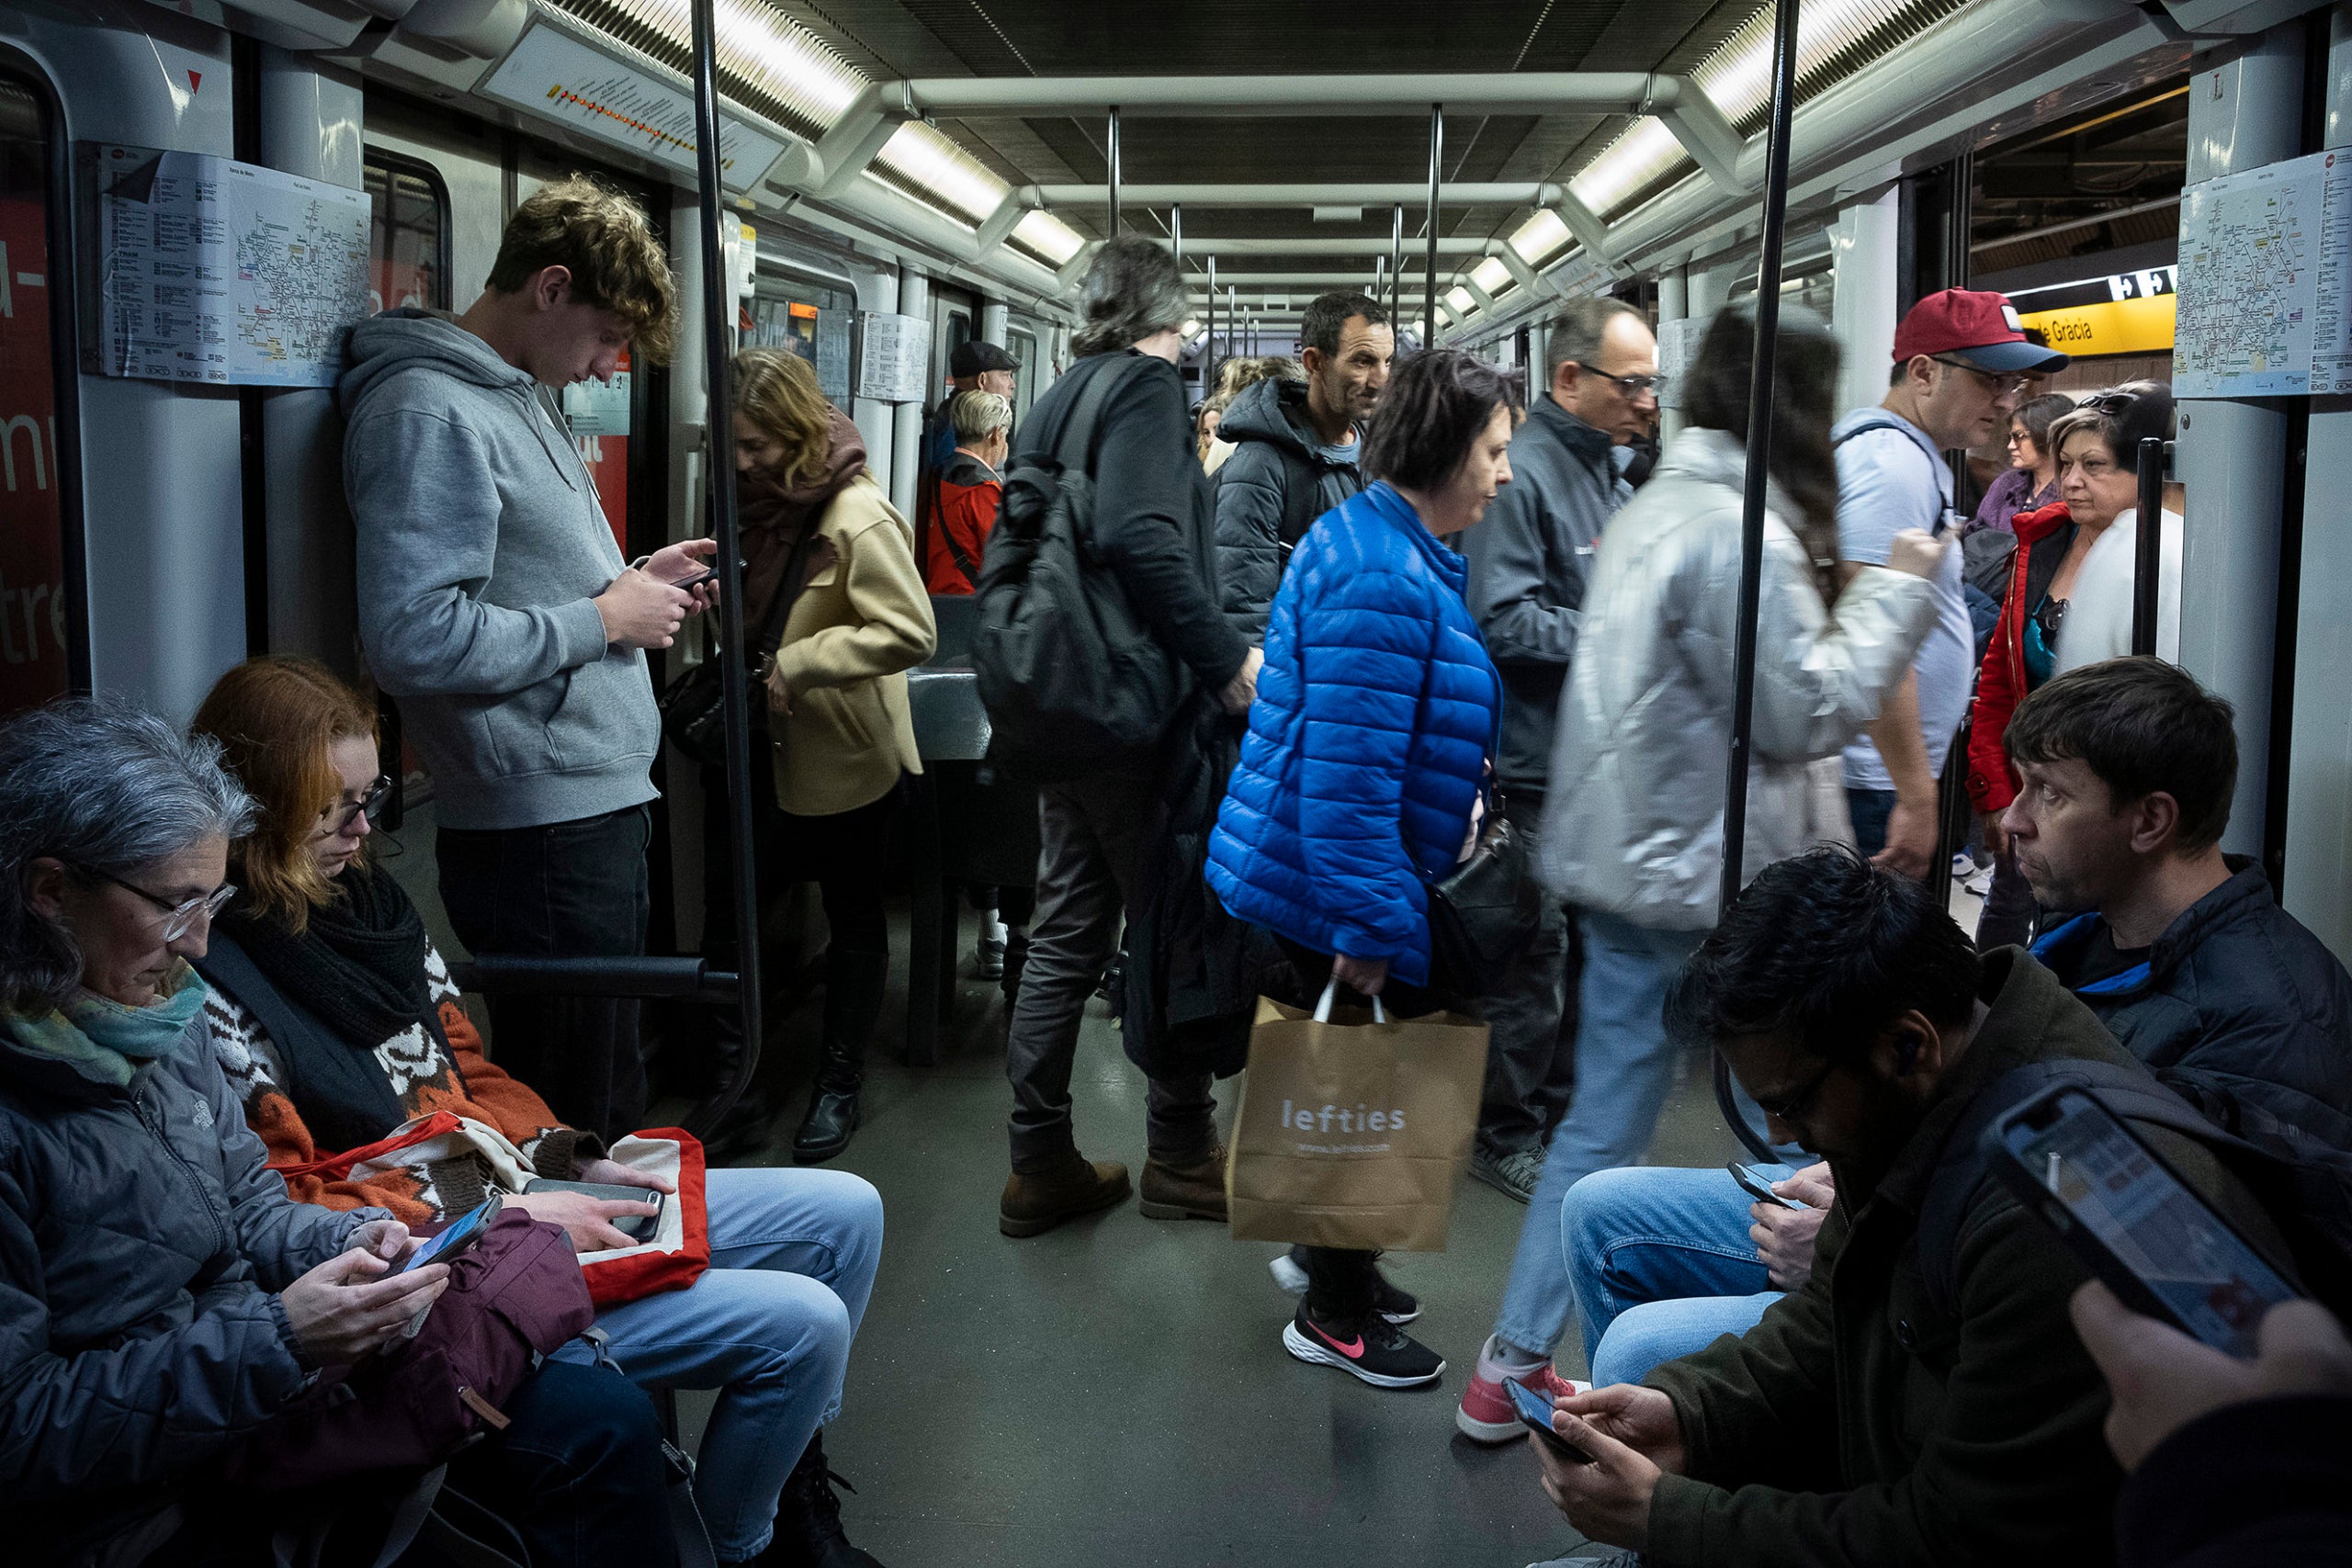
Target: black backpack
(1072, 678)
(2303, 1185)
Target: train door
(1022, 345)
(44, 646)
(955, 321)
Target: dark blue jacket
(1375, 715)
(2236, 1002)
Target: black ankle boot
(808, 1519)
(855, 983)
(750, 1123)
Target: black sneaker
(1376, 1351)
(1289, 1269)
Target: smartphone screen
(1752, 1182)
(1535, 1414)
(2197, 1269)
(455, 1239)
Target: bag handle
(1331, 989)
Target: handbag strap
(1331, 989)
(787, 593)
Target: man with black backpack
(1296, 447)
(1877, 1416)
(1098, 622)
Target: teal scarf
(104, 1041)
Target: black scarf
(351, 981)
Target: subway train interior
(899, 181)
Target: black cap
(972, 356)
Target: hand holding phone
(1535, 1414)
(462, 1234)
(1752, 1182)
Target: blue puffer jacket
(1375, 716)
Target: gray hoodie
(481, 546)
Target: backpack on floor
(1072, 678)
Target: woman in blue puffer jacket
(1375, 716)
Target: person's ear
(2153, 819)
(1920, 374)
(45, 887)
(552, 288)
(1312, 360)
(1564, 380)
(1907, 1047)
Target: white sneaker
(990, 953)
(1981, 883)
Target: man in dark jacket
(973, 365)
(1868, 1420)
(2127, 769)
(1527, 569)
(1151, 527)
(1297, 443)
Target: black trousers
(841, 853)
(565, 890)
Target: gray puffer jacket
(1267, 494)
(143, 1242)
(1633, 820)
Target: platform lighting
(1738, 77)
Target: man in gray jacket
(494, 603)
(1527, 575)
(1297, 443)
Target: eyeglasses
(1995, 382)
(370, 805)
(1790, 1107)
(1632, 385)
(179, 918)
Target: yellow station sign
(2108, 326)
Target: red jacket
(969, 492)
(2001, 684)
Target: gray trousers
(1092, 843)
(1531, 1019)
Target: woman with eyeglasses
(2031, 482)
(2070, 556)
(336, 1023)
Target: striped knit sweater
(426, 1079)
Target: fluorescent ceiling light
(1539, 237)
(758, 45)
(1048, 236)
(1492, 276)
(1191, 329)
(924, 158)
(1459, 297)
(1738, 77)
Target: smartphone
(1753, 1182)
(637, 1228)
(2131, 1219)
(697, 581)
(1535, 1414)
(462, 1234)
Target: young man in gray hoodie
(496, 606)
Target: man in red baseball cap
(1961, 360)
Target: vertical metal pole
(1751, 519)
(718, 317)
(1396, 267)
(1208, 379)
(1113, 232)
(2149, 565)
(1437, 154)
(1176, 233)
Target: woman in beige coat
(836, 692)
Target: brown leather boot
(1035, 1201)
(1191, 1192)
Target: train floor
(1115, 1391)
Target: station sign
(2128, 313)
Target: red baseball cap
(1977, 328)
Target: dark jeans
(1869, 808)
(579, 1475)
(1532, 1053)
(841, 853)
(565, 890)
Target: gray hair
(1576, 332)
(976, 415)
(102, 786)
(1134, 290)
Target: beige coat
(862, 621)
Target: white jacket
(1634, 818)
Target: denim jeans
(1661, 1263)
(1869, 808)
(1530, 1059)
(769, 1325)
(1625, 1069)
(561, 890)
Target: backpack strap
(1962, 1171)
(1073, 444)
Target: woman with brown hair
(817, 529)
(336, 1023)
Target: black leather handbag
(693, 706)
(1484, 913)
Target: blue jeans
(769, 1325)
(1869, 809)
(1661, 1263)
(1624, 1070)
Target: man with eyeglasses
(1869, 1419)
(1527, 563)
(1962, 361)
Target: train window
(1022, 346)
(40, 622)
(408, 237)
